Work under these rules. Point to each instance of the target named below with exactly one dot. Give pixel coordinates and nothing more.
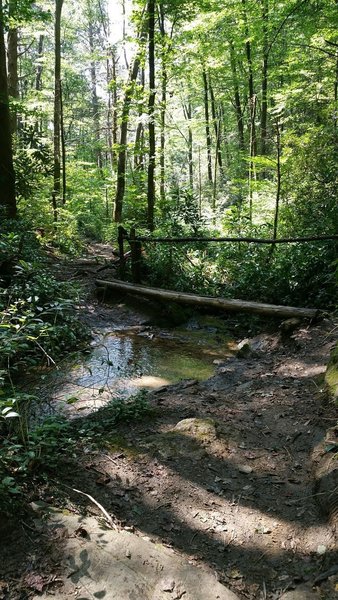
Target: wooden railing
(135, 242)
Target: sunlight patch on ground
(149, 381)
(300, 369)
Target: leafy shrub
(29, 458)
(299, 274)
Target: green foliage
(36, 319)
(28, 459)
(32, 161)
(37, 312)
(296, 274)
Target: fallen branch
(103, 510)
(220, 303)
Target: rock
(186, 439)
(289, 326)
(304, 592)
(118, 565)
(204, 429)
(245, 469)
(243, 349)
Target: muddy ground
(223, 471)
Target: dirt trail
(223, 471)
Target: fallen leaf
(35, 581)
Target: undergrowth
(294, 274)
(29, 456)
(38, 324)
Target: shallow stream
(125, 360)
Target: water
(123, 362)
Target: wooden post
(135, 247)
(120, 239)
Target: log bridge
(195, 299)
(209, 301)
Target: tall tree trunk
(94, 98)
(151, 116)
(250, 79)
(237, 97)
(264, 110)
(188, 115)
(57, 107)
(38, 75)
(7, 176)
(114, 106)
(122, 153)
(63, 148)
(217, 127)
(13, 80)
(109, 113)
(124, 33)
(164, 82)
(279, 180)
(251, 172)
(207, 123)
(139, 136)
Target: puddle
(123, 362)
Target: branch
(279, 29)
(168, 240)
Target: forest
(180, 145)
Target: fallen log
(220, 303)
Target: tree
(57, 106)
(7, 176)
(151, 116)
(122, 152)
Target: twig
(288, 452)
(49, 358)
(103, 510)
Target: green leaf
(72, 400)
(10, 415)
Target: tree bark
(12, 54)
(57, 107)
(265, 61)
(94, 98)
(63, 148)
(139, 136)
(251, 172)
(114, 105)
(122, 154)
(220, 303)
(38, 75)
(217, 129)
(164, 81)
(151, 116)
(237, 98)
(7, 176)
(207, 123)
(279, 177)
(252, 107)
(188, 115)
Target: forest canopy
(184, 118)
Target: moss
(118, 443)
(331, 375)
